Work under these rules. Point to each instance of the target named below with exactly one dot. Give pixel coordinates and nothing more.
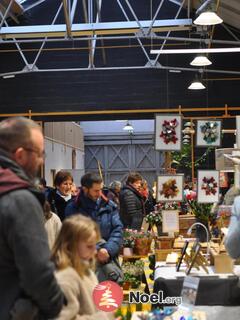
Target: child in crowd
(52, 224)
(73, 255)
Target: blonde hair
(65, 250)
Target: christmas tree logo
(107, 296)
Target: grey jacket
(232, 241)
(25, 268)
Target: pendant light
(208, 18)
(200, 61)
(196, 84)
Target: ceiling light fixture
(208, 18)
(128, 127)
(174, 71)
(196, 85)
(9, 76)
(200, 61)
(203, 50)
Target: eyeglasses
(40, 154)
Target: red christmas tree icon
(107, 299)
(107, 296)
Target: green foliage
(202, 211)
(182, 160)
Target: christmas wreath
(209, 185)
(210, 131)
(168, 133)
(169, 189)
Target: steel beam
(91, 29)
(34, 5)
(158, 66)
(155, 17)
(164, 42)
(94, 41)
(155, 37)
(142, 30)
(229, 31)
(73, 9)
(17, 45)
(44, 42)
(203, 6)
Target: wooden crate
(222, 262)
(164, 242)
(161, 254)
(185, 222)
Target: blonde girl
(73, 254)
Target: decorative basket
(164, 243)
(142, 246)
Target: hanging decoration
(210, 132)
(169, 189)
(210, 186)
(168, 133)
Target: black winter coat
(57, 203)
(131, 208)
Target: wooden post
(168, 160)
(100, 170)
(226, 111)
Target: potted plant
(143, 241)
(126, 281)
(128, 242)
(133, 273)
(203, 213)
(154, 218)
(135, 282)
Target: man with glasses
(25, 269)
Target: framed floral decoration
(168, 132)
(170, 188)
(208, 186)
(208, 133)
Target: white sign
(170, 221)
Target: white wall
(109, 127)
(59, 156)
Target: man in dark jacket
(132, 203)
(91, 202)
(25, 268)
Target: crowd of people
(54, 242)
(46, 275)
